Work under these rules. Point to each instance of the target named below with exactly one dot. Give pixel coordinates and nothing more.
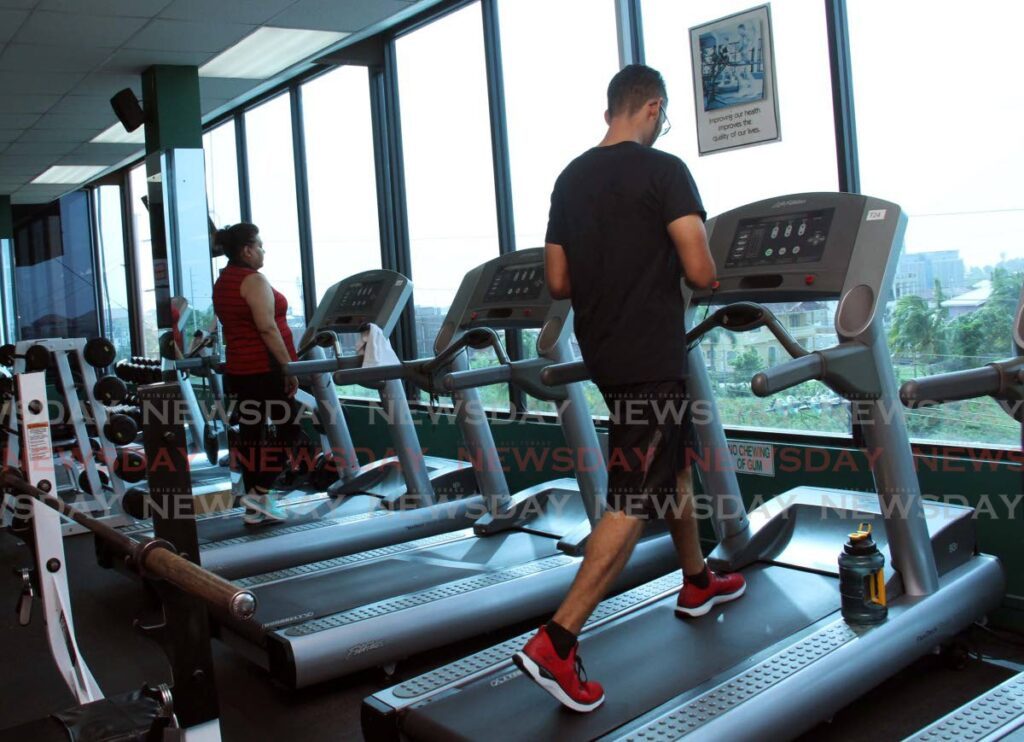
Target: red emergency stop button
(808, 279)
(715, 285)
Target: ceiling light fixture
(69, 174)
(117, 135)
(267, 51)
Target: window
(222, 194)
(448, 169)
(113, 268)
(268, 134)
(928, 140)
(222, 175)
(555, 110)
(804, 160)
(56, 283)
(342, 175)
(573, 91)
(144, 260)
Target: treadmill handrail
(559, 374)
(787, 375)
(374, 374)
(474, 377)
(986, 381)
(321, 365)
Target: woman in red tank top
(258, 343)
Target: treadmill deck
(643, 663)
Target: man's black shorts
(649, 434)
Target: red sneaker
(564, 679)
(693, 601)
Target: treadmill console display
(354, 305)
(780, 239)
(516, 283)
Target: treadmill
(372, 505)
(320, 621)
(773, 663)
(999, 712)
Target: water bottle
(862, 579)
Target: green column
(174, 169)
(170, 95)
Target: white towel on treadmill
(376, 348)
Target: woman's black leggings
(262, 452)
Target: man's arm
(691, 242)
(556, 271)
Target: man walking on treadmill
(626, 223)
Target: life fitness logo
(791, 202)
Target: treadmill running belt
(317, 595)
(344, 589)
(212, 530)
(642, 662)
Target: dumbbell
(83, 481)
(136, 503)
(99, 352)
(37, 357)
(120, 429)
(130, 465)
(110, 390)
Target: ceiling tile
(84, 121)
(166, 35)
(10, 22)
(49, 58)
(24, 164)
(77, 29)
(108, 158)
(331, 15)
(103, 153)
(17, 120)
(237, 11)
(135, 61)
(108, 83)
(51, 135)
(55, 149)
(83, 104)
(123, 8)
(28, 103)
(37, 83)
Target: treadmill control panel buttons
(780, 239)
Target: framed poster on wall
(734, 81)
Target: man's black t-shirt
(609, 211)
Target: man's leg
(682, 524)
(608, 549)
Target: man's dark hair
(632, 86)
(232, 240)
